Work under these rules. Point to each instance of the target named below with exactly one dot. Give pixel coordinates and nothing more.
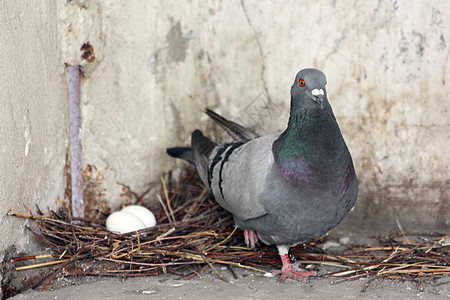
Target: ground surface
(248, 286)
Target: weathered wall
(33, 117)
(154, 65)
(150, 67)
(388, 72)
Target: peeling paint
(95, 201)
(177, 43)
(27, 134)
(87, 52)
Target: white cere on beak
(317, 92)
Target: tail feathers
(202, 148)
(185, 153)
(236, 131)
(201, 144)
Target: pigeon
(282, 189)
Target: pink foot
(250, 237)
(287, 271)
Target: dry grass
(194, 234)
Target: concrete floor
(248, 286)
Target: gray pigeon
(282, 189)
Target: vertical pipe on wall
(75, 141)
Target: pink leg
(250, 237)
(287, 271)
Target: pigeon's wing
(236, 131)
(238, 175)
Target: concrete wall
(33, 118)
(388, 72)
(151, 67)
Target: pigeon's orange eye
(301, 82)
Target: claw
(250, 237)
(287, 271)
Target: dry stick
(41, 236)
(402, 232)
(175, 193)
(162, 236)
(151, 265)
(164, 208)
(139, 242)
(45, 264)
(371, 267)
(334, 257)
(193, 207)
(38, 257)
(139, 197)
(129, 253)
(391, 270)
(215, 270)
(195, 257)
(391, 255)
(232, 272)
(380, 248)
(196, 273)
(444, 241)
(434, 271)
(24, 216)
(75, 237)
(324, 263)
(126, 273)
(44, 218)
(50, 277)
(218, 244)
(29, 210)
(166, 194)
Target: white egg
(123, 222)
(145, 215)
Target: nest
(194, 233)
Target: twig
(45, 264)
(215, 270)
(196, 273)
(164, 208)
(36, 257)
(167, 198)
(25, 216)
(226, 239)
(402, 232)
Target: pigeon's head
(309, 88)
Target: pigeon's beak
(318, 96)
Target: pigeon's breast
(296, 214)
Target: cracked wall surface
(150, 67)
(33, 119)
(387, 67)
